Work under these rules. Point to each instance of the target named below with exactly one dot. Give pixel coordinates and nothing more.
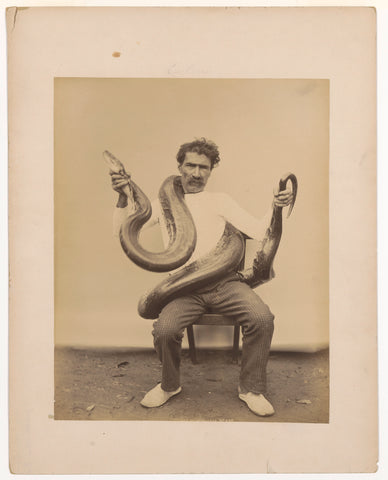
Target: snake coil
(222, 260)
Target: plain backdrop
(263, 127)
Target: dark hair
(202, 147)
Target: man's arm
(119, 182)
(125, 205)
(122, 210)
(247, 223)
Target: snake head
(114, 163)
(282, 186)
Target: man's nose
(196, 172)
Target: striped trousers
(228, 297)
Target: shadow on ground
(102, 384)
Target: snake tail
(262, 269)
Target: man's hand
(119, 181)
(283, 198)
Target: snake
(224, 259)
(262, 270)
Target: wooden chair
(217, 319)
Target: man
(229, 296)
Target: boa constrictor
(223, 260)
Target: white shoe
(257, 403)
(157, 397)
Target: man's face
(195, 171)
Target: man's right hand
(119, 181)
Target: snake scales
(224, 259)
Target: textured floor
(103, 384)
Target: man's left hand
(283, 198)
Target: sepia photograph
(192, 231)
(205, 159)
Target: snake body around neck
(222, 260)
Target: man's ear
(179, 167)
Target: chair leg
(190, 337)
(236, 341)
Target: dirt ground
(102, 384)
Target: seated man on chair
(229, 296)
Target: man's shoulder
(156, 208)
(220, 202)
(222, 196)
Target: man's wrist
(122, 202)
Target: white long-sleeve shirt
(210, 211)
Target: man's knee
(167, 328)
(262, 319)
